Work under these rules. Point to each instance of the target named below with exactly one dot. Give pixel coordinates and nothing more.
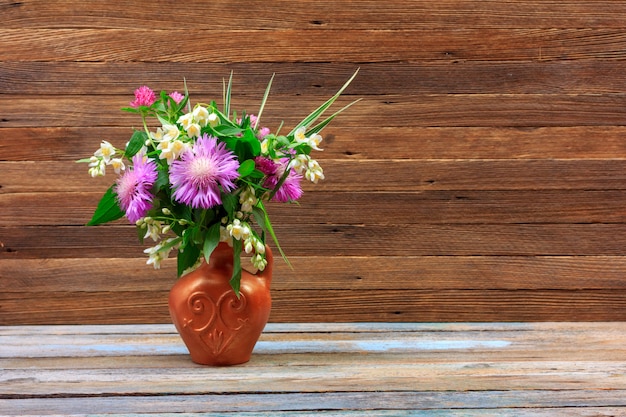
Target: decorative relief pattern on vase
(215, 322)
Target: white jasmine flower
(314, 171)
(186, 120)
(153, 230)
(170, 132)
(118, 165)
(248, 245)
(259, 247)
(171, 150)
(314, 140)
(105, 152)
(158, 135)
(201, 115)
(247, 199)
(97, 167)
(264, 147)
(225, 236)
(159, 252)
(253, 243)
(259, 261)
(238, 230)
(299, 163)
(194, 130)
(214, 120)
(299, 135)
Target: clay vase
(217, 327)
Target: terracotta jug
(217, 327)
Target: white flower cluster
(155, 229)
(303, 164)
(161, 251)
(104, 156)
(309, 167)
(168, 142)
(197, 119)
(239, 230)
(251, 243)
(247, 199)
(170, 139)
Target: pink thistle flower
(178, 97)
(200, 172)
(133, 188)
(144, 96)
(290, 190)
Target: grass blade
(315, 114)
(265, 96)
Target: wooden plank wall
(481, 178)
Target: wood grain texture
(481, 177)
(333, 369)
(360, 14)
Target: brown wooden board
(483, 170)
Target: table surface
(331, 369)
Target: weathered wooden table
(374, 369)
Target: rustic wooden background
(481, 178)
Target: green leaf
(230, 201)
(137, 140)
(263, 220)
(227, 130)
(253, 142)
(235, 280)
(256, 174)
(187, 257)
(107, 210)
(246, 168)
(163, 180)
(211, 240)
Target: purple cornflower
(144, 96)
(197, 176)
(133, 188)
(290, 190)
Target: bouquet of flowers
(203, 176)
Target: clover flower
(203, 172)
(133, 188)
(144, 96)
(176, 96)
